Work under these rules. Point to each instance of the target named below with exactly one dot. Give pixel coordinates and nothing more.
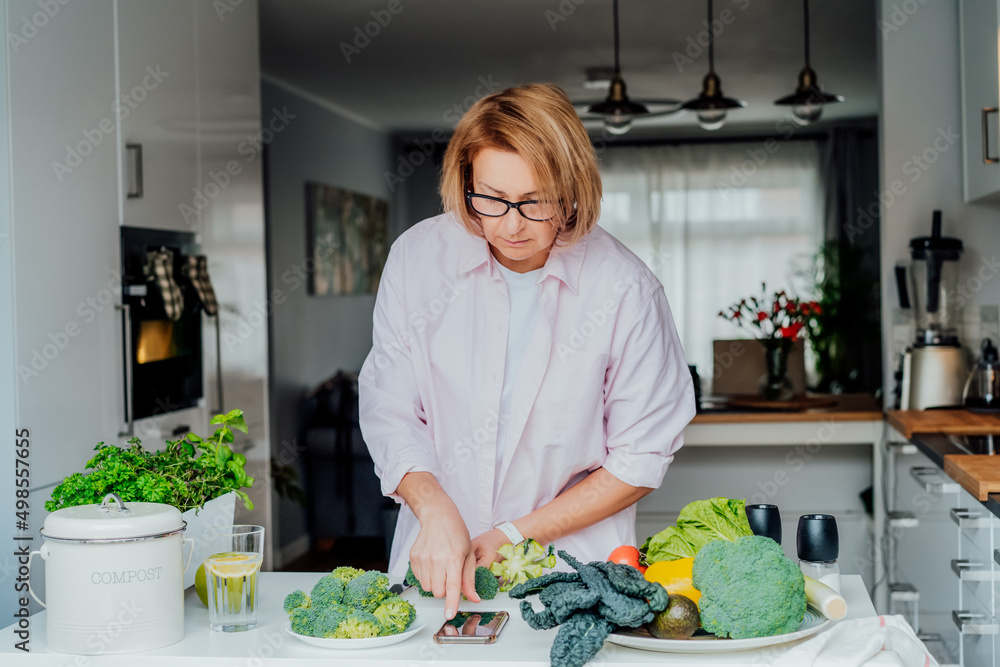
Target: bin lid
(112, 519)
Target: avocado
(678, 621)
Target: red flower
(761, 316)
(737, 314)
(815, 308)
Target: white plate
(812, 622)
(373, 642)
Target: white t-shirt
(524, 311)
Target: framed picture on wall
(348, 240)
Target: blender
(934, 366)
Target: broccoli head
(301, 619)
(328, 619)
(328, 590)
(359, 625)
(295, 600)
(748, 588)
(411, 580)
(487, 584)
(347, 574)
(522, 562)
(367, 591)
(395, 615)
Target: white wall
(311, 337)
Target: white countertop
(268, 645)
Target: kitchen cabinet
(979, 23)
(975, 572)
(182, 81)
(231, 210)
(64, 212)
(947, 550)
(158, 55)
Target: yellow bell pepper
(675, 576)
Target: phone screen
(472, 627)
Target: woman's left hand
(485, 546)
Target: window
(714, 221)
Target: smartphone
(472, 627)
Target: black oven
(161, 323)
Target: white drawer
(977, 596)
(976, 526)
(978, 632)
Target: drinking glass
(231, 577)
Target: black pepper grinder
(818, 545)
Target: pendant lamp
(808, 99)
(711, 105)
(617, 111)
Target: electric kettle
(982, 389)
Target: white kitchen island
(268, 645)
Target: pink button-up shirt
(603, 383)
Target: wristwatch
(511, 531)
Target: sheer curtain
(714, 221)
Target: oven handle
(129, 381)
(218, 362)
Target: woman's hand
(485, 546)
(442, 557)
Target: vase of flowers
(777, 322)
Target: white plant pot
(203, 527)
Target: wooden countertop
(848, 408)
(951, 422)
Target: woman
(525, 378)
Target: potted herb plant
(201, 477)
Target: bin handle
(44, 553)
(192, 542)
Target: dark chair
(344, 494)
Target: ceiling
(429, 57)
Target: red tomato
(626, 554)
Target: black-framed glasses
(494, 207)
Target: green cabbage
(699, 523)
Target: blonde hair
(537, 122)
